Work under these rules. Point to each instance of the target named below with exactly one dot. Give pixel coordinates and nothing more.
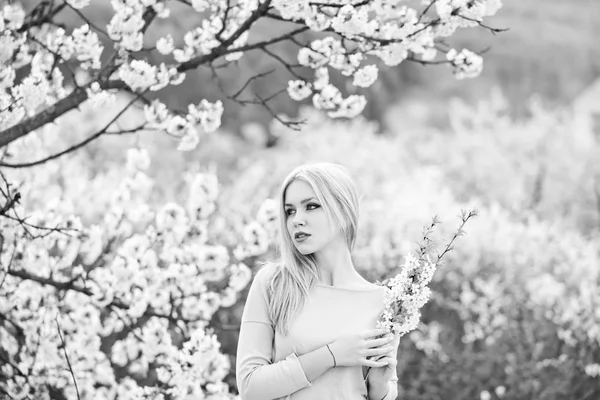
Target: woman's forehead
(297, 191)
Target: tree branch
(83, 143)
(222, 48)
(64, 346)
(43, 18)
(73, 100)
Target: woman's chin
(304, 250)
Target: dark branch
(250, 80)
(73, 100)
(64, 346)
(42, 18)
(222, 48)
(481, 24)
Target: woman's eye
(289, 211)
(312, 206)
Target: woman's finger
(374, 333)
(381, 341)
(379, 351)
(375, 364)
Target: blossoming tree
(40, 59)
(123, 308)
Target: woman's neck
(335, 265)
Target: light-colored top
(267, 367)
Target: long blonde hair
(295, 273)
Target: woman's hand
(380, 376)
(355, 349)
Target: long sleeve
(258, 378)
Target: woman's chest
(325, 318)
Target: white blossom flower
(171, 218)
(346, 63)
(321, 78)
(299, 90)
(59, 42)
(211, 258)
(350, 21)
(7, 47)
(329, 98)
(429, 54)
(126, 25)
(310, 58)
(228, 297)
(14, 15)
(365, 76)
(200, 5)
(240, 276)
(78, 4)
(7, 77)
(350, 107)
(207, 114)
(392, 54)
(500, 391)
(183, 55)
(163, 77)
(317, 21)
(592, 370)
(466, 63)
(256, 239)
(161, 9)
(31, 93)
(138, 74)
(87, 47)
(165, 45)
(97, 96)
(156, 114)
(292, 9)
(177, 125)
(189, 140)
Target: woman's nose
(298, 221)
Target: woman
(308, 326)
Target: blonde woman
(308, 326)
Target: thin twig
(67, 357)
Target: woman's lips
(301, 238)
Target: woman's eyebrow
(301, 202)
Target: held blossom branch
(408, 291)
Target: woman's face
(306, 220)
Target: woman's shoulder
(265, 272)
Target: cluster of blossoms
(466, 63)
(381, 29)
(43, 48)
(206, 114)
(406, 294)
(135, 293)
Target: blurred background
(514, 313)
